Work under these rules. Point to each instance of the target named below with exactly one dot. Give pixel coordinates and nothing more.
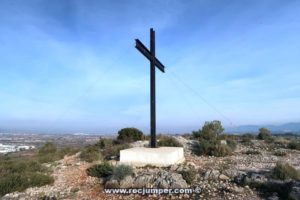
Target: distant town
(14, 142)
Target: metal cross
(154, 62)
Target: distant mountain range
(293, 127)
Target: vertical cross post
(152, 90)
(154, 62)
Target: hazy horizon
(72, 66)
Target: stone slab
(161, 157)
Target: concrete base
(161, 157)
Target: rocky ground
(218, 177)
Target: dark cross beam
(153, 62)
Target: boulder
(161, 183)
(142, 181)
(211, 174)
(177, 181)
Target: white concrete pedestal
(161, 157)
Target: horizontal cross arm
(139, 45)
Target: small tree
(130, 134)
(210, 130)
(209, 140)
(264, 133)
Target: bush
(90, 154)
(130, 134)
(285, 171)
(20, 181)
(188, 175)
(222, 150)
(294, 145)
(48, 148)
(246, 138)
(121, 171)
(264, 134)
(67, 151)
(212, 149)
(204, 147)
(17, 174)
(209, 140)
(283, 189)
(102, 170)
(114, 150)
(167, 141)
(210, 131)
(104, 143)
(49, 152)
(232, 144)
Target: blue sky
(71, 65)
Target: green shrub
(17, 174)
(212, 149)
(209, 140)
(232, 144)
(246, 138)
(121, 171)
(279, 153)
(102, 170)
(283, 189)
(252, 152)
(204, 147)
(90, 154)
(210, 131)
(20, 166)
(264, 134)
(188, 175)
(285, 171)
(48, 158)
(105, 143)
(167, 141)
(115, 150)
(20, 181)
(67, 151)
(222, 150)
(47, 148)
(294, 145)
(130, 134)
(49, 152)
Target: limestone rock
(126, 182)
(178, 181)
(142, 181)
(223, 177)
(162, 183)
(211, 174)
